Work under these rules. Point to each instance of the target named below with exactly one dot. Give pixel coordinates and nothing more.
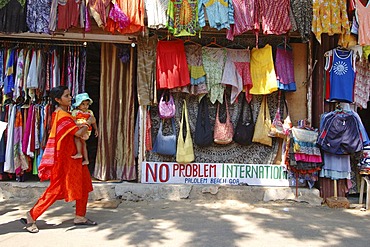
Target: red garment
(69, 179)
(68, 14)
(134, 10)
(275, 16)
(172, 68)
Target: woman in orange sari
(69, 179)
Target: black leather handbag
(203, 135)
(243, 133)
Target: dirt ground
(189, 223)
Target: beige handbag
(262, 128)
(185, 151)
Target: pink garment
(275, 16)
(284, 67)
(237, 72)
(308, 158)
(363, 19)
(27, 130)
(245, 17)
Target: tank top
(342, 76)
(363, 19)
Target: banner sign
(214, 173)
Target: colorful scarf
(62, 125)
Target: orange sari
(69, 179)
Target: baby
(81, 113)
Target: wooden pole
(335, 189)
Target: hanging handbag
(223, 132)
(165, 144)
(166, 106)
(279, 128)
(185, 151)
(203, 135)
(263, 123)
(244, 129)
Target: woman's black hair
(56, 93)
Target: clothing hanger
(213, 42)
(285, 44)
(235, 45)
(188, 40)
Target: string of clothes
(28, 72)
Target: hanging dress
(172, 68)
(262, 71)
(197, 73)
(214, 62)
(284, 68)
(237, 73)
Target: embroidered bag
(203, 135)
(223, 132)
(166, 106)
(165, 144)
(263, 123)
(244, 129)
(185, 151)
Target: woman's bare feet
(85, 162)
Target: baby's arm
(96, 133)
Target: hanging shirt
(302, 12)
(220, 13)
(362, 83)
(156, 11)
(323, 12)
(262, 71)
(275, 16)
(245, 16)
(342, 76)
(18, 85)
(183, 17)
(9, 152)
(9, 72)
(363, 18)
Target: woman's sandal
(86, 223)
(30, 227)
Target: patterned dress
(214, 62)
(38, 15)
